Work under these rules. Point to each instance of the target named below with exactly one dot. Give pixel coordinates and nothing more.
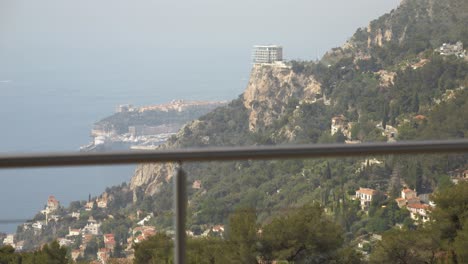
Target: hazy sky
(193, 29)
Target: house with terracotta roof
(408, 196)
(109, 241)
(365, 196)
(52, 203)
(143, 232)
(73, 232)
(410, 199)
(110, 244)
(400, 202)
(419, 212)
(196, 184)
(108, 237)
(408, 193)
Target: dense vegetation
(307, 235)
(51, 253)
(304, 234)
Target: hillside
(389, 82)
(295, 105)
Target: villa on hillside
(92, 227)
(51, 206)
(448, 49)
(419, 211)
(196, 185)
(102, 202)
(52, 203)
(9, 240)
(459, 175)
(73, 232)
(412, 202)
(365, 196)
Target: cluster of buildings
(100, 203)
(448, 49)
(10, 240)
(418, 206)
(459, 175)
(92, 231)
(79, 238)
(340, 123)
(418, 209)
(102, 255)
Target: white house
(38, 225)
(73, 232)
(419, 211)
(92, 227)
(9, 240)
(365, 196)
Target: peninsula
(145, 127)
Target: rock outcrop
(150, 177)
(269, 90)
(266, 97)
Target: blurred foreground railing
(231, 153)
(223, 154)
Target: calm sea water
(55, 111)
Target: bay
(50, 115)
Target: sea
(46, 113)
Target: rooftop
(367, 191)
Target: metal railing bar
(232, 153)
(180, 203)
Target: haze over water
(66, 64)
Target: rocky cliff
(269, 90)
(149, 177)
(413, 27)
(389, 41)
(265, 99)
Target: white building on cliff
(269, 54)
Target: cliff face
(265, 99)
(414, 26)
(150, 177)
(270, 89)
(388, 39)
